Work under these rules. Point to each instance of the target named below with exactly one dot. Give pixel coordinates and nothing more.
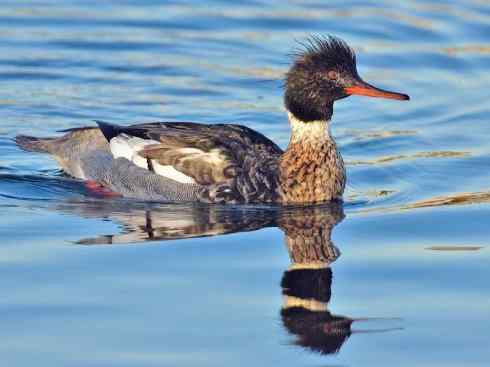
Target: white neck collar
(311, 130)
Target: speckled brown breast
(311, 171)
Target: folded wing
(189, 152)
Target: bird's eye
(332, 75)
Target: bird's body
(208, 163)
(226, 163)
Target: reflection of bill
(306, 284)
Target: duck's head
(323, 72)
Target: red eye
(332, 75)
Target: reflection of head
(319, 331)
(305, 314)
(308, 284)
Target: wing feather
(209, 154)
(204, 167)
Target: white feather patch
(170, 172)
(125, 146)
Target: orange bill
(364, 89)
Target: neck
(311, 169)
(311, 131)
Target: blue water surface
(397, 276)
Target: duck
(226, 163)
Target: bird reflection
(142, 222)
(306, 284)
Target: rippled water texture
(397, 276)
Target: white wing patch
(170, 172)
(125, 146)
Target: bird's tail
(33, 144)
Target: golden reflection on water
(478, 49)
(380, 134)
(457, 199)
(387, 159)
(468, 198)
(454, 248)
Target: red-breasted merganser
(224, 163)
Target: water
(396, 276)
